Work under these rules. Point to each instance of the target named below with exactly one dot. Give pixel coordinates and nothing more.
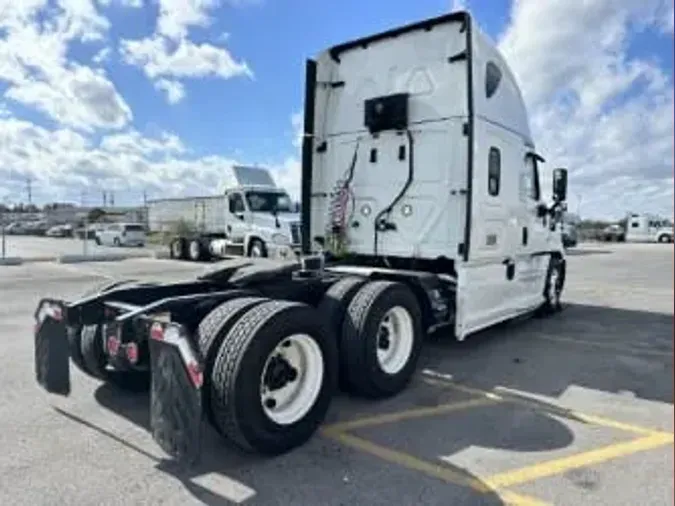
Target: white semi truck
(421, 209)
(648, 228)
(251, 217)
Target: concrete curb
(161, 255)
(11, 261)
(75, 259)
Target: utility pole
(145, 210)
(29, 181)
(85, 234)
(104, 198)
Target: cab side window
(529, 180)
(236, 203)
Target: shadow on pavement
(309, 475)
(599, 348)
(583, 252)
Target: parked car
(121, 234)
(60, 231)
(36, 227)
(15, 228)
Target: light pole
(5, 201)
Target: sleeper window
(493, 77)
(494, 171)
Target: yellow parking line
(554, 410)
(409, 414)
(559, 466)
(442, 472)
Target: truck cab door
(237, 225)
(533, 235)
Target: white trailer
(253, 217)
(648, 228)
(422, 208)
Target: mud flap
(52, 353)
(175, 399)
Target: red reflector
(196, 375)
(157, 332)
(57, 314)
(113, 345)
(132, 352)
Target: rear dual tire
(381, 340)
(380, 333)
(271, 371)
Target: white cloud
(160, 57)
(298, 122)
(169, 54)
(605, 115)
(134, 142)
(65, 165)
(102, 55)
(78, 96)
(34, 64)
(174, 90)
(288, 176)
(134, 4)
(177, 16)
(457, 5)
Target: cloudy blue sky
(164, 95)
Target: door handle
(510, 268)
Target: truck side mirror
(559, 184)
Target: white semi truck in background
(422, 209)
(251, 217)
(648, 228)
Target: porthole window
(493, 76)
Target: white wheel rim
(176, 249)
(395, 337)
(287, 402)
(194, 250)
(256, 250)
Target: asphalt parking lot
(575, 409)
(45, 248)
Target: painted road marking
(408, 414)
(445, 473)
(504, 394)
(497, 483)
(585, 459)
(651, 438)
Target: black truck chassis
(151, 329)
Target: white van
(121, 234)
